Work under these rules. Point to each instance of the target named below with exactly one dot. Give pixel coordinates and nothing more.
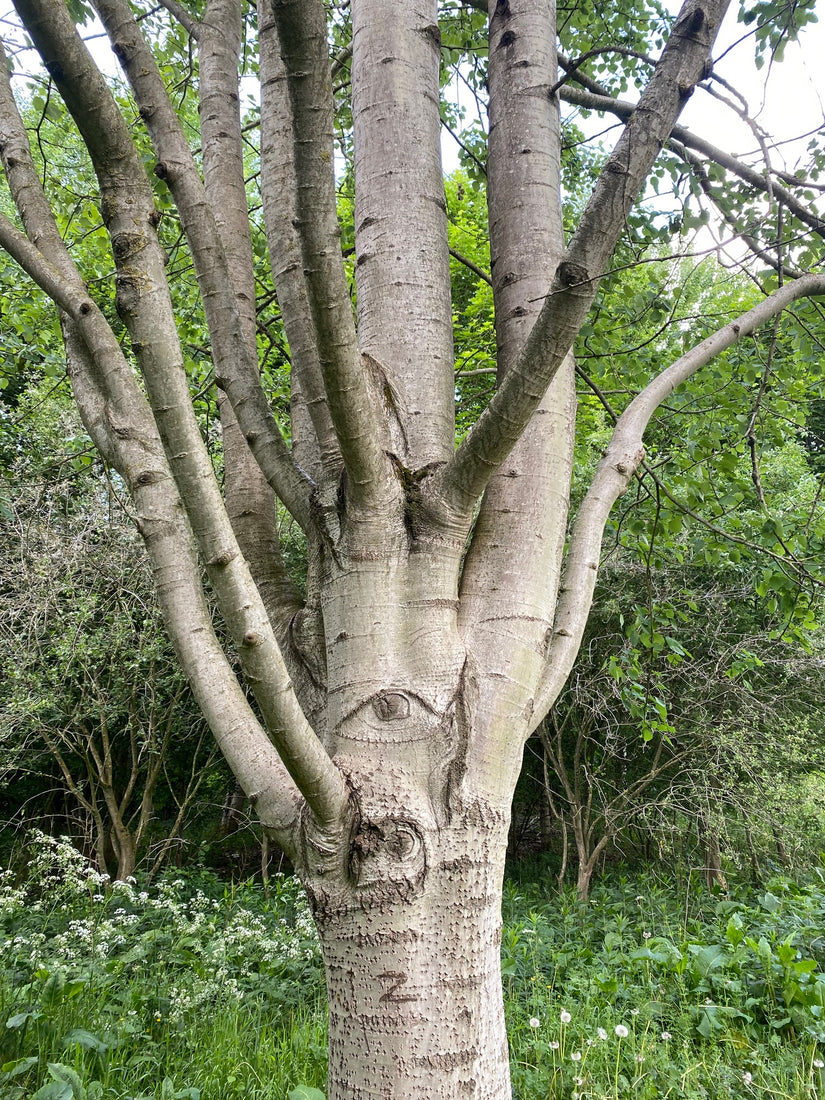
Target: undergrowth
(199, 990)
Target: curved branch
(144, 305)
(238, 733)
(622, 458)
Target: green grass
(195, 989)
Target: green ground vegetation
(196, 989)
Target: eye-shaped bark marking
(393, 715)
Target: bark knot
(570, 274)
(391, 706)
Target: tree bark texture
(411, 947)
(441, 612)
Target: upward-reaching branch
(620, 462)
(236, 370)
(680, 67)
(250, 501)
(320, 455)
(144, 304)
(508, 586)
(402, 260)
(119, 421)
(360, 426)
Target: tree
(392, 700)
(98, 727)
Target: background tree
(98, 731)
(394, 694)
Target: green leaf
(734, 930)
(65, 1075)
(78, 1036)
(21, 1019)
(710, 958)
(55, 1090)
(14, 1069)
(306, 1092)
(53, 988)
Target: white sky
(786, 99)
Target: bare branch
(508, 586)
(316, 444)
(468, 263)
(622, 458)
(147, 313)
(250, 502)
(235, 369)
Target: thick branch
(250, 502)
(144, 305)
(130, 443)
(680, 67)
(508, 586)
(302, 31)
(621, 460)
(402, 266)
(321, 455)
(236, 370)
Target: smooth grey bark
(402, 263)
(432, 648)
(508, 584)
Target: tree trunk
(411, 934)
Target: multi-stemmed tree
(392, 700)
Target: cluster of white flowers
(225, 947)
(11, 897)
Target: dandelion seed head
(621, 1031)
